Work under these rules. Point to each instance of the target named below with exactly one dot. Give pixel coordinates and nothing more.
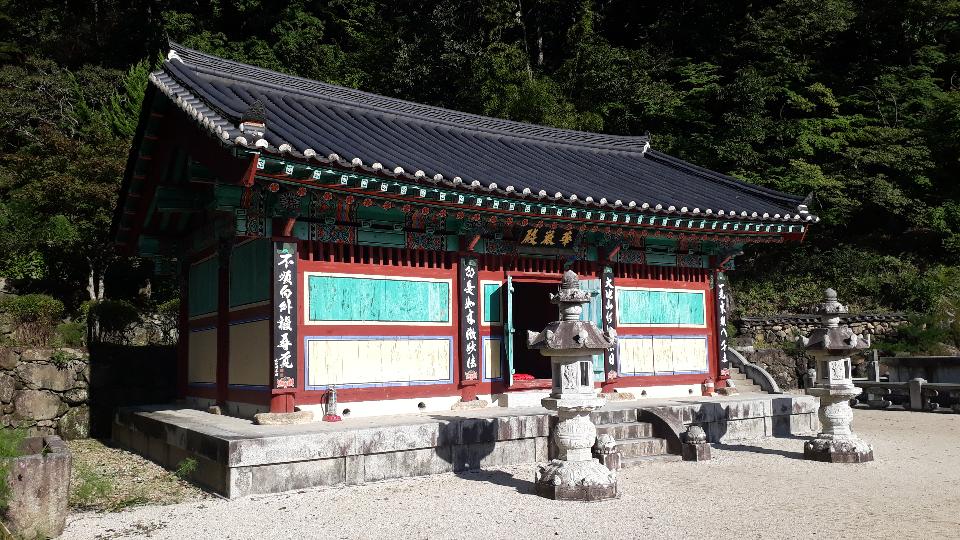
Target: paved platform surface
(763, 489)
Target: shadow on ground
(759, 450)
(500, 478)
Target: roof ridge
(201, 62)
(708, 174)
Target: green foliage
(33, 317)
(11, 446)
(186, 468)
(112, 319)
(61, 358)
(71, 334)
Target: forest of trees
(855, 101)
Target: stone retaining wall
(45, 391)
(787, 328)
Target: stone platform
(237, 458)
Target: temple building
(330, 238)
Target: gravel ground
(760, 490)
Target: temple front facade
(326, 238)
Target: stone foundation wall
(73, 393)
(787, 328)
(786, 370)
(45, 391)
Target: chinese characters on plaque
(542, 236)
(469, 340)
(609, 321)
(284, 314)
(722, 308)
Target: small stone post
(695, 446)
(571, 343)
(831, 346)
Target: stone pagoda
(571, 343)
(831, 346)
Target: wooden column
(183, 329)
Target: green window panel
(492, 298)
(250, 273)
(203, 287)
(662, 308)
(356, 299)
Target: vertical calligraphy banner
(469, 326)
(723, 308)
(284, 315)
(609, 306)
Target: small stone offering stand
(570, 343)
(39, 482)
(832, 345)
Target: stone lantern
(831, 346)
(571, 343)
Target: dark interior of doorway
(532, 310)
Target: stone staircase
(635, 439)
(743, 383)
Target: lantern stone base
(575, 481)
(838, 450)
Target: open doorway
(532, 310)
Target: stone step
(752, 388)
(614, 416)
(626, 430)
(645, 460)
(643, 446)
(523, 398)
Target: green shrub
(33, 317)
(111, 320)
(71, 334)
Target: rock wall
(74, 392)
(787, 328)
(785, 368)
(45, 391)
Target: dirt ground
(106, 479)
(763, 489)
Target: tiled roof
(312, 120)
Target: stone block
(542, 448)
(157, 451)
(695, 451)
(8, 385)
(779, 426)
(45, 376)
(283, 419)
(39, 489)
(36, 404)
(211, 474)
(747, 408)
(9, 358)
(354, 470)
(407, 463)
(467, 457)
(736, 430)
(36, 355)
(279, 477)
(75, 423)
(76, 396)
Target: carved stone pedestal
(836, 443)
(695, 446)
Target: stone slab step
(616, 416)
(646, 460)
(523, 398)
(644, 446)
(626, 430)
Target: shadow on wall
(123, 375)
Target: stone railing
(915, 395)
(754, 372)
(787, 328)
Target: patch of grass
(11, 446)
(186, 468)
(61, 358)
(90, 488)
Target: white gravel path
(760, 490)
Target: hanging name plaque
(284, 315)
(723, 307)
(469, 339)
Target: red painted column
(223, 320)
